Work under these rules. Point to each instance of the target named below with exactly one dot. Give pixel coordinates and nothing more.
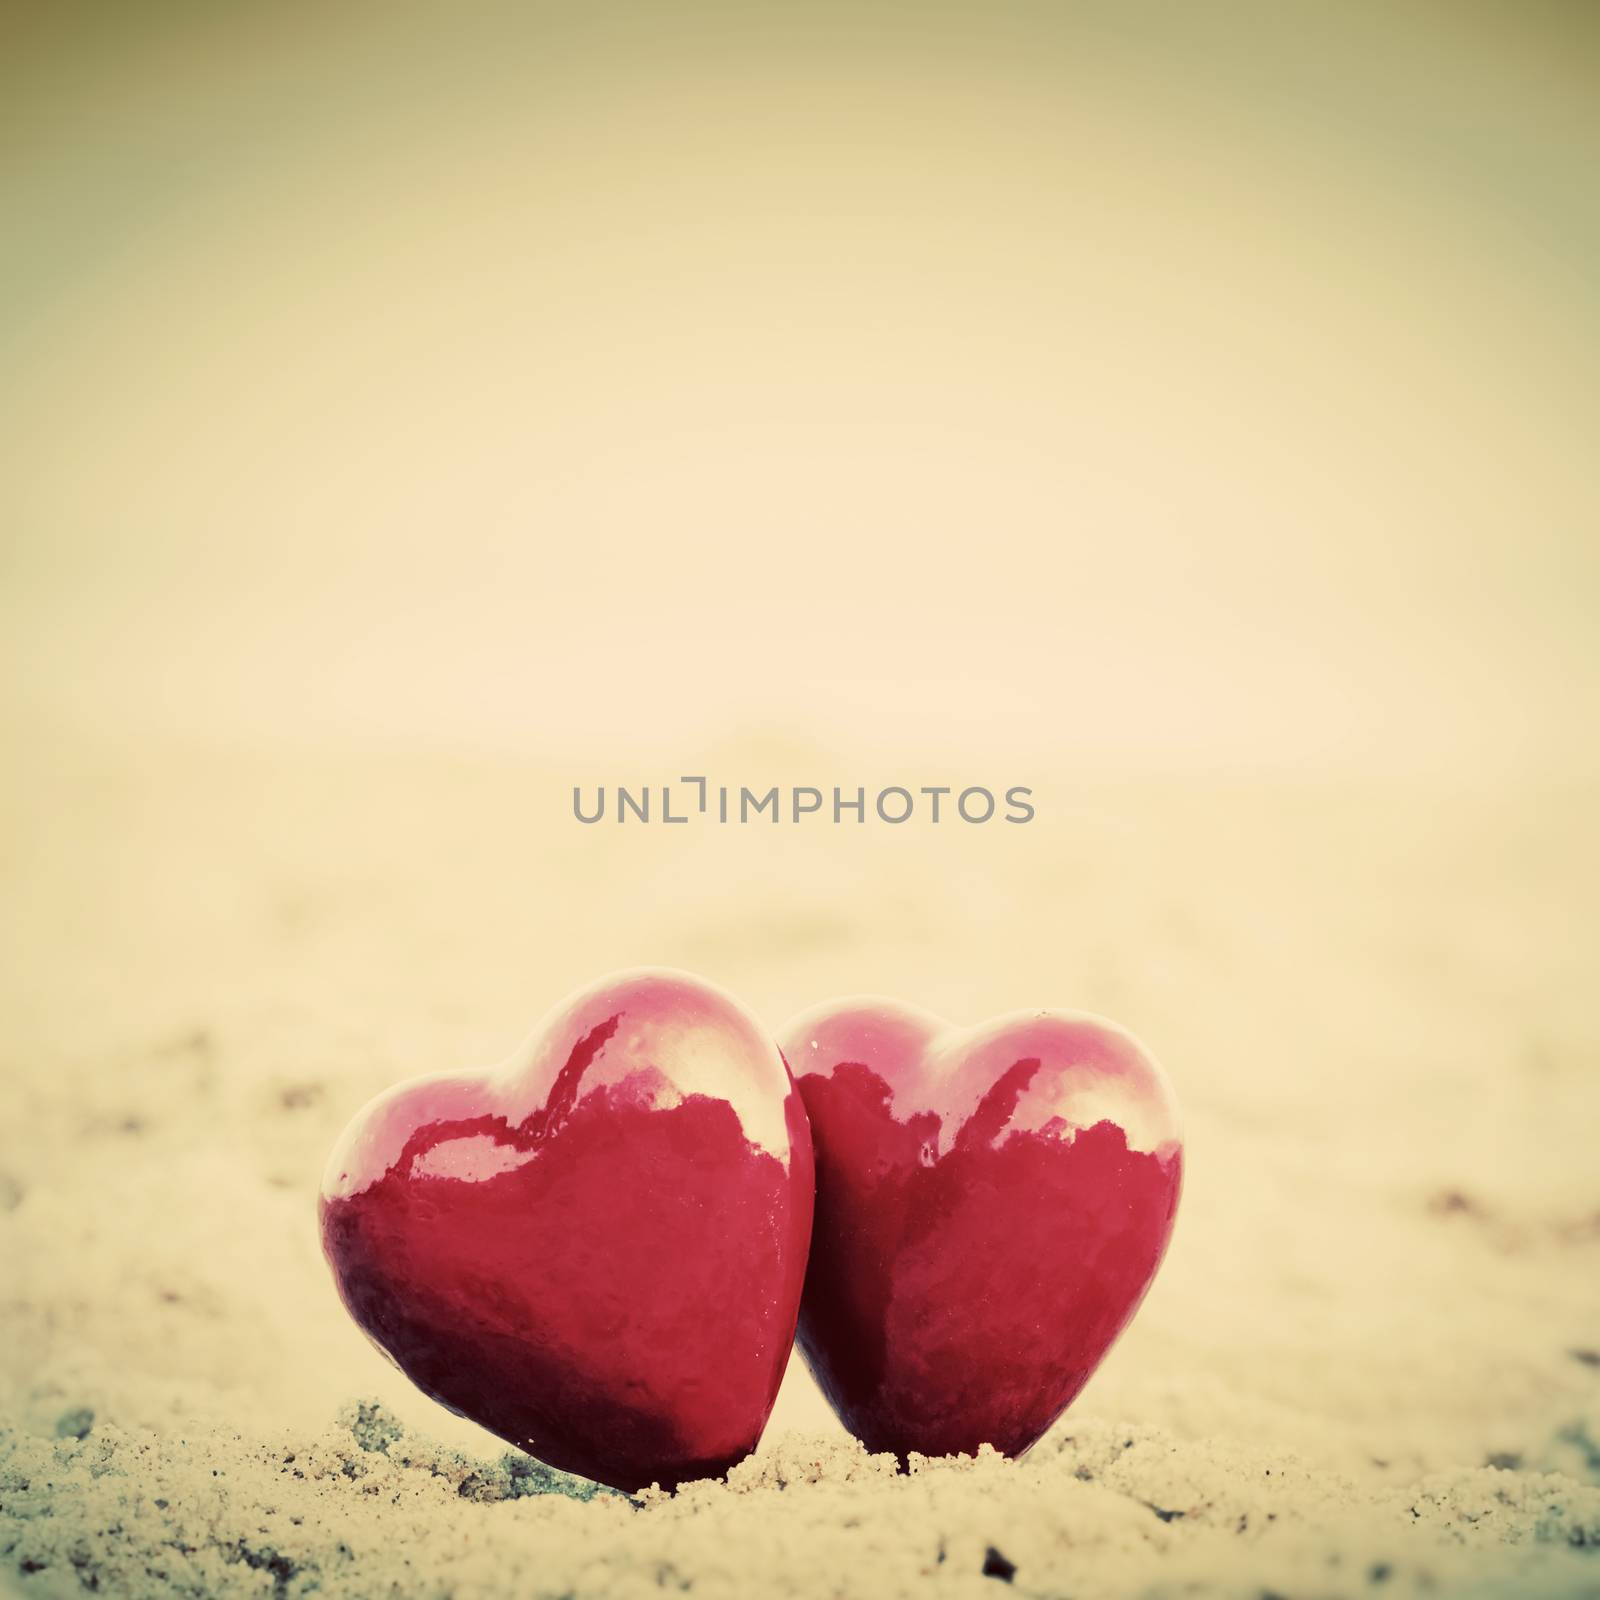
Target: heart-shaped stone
(992, 1204)
(597, 1249)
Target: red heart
(992, 1204)
(597, 1250)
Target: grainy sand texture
(410, 412)
(1371, 1363)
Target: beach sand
(1371, 1363)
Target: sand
(1370, 1365)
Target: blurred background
(1148, 383)
(407, 413)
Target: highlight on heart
(992, 1205)
(597, 1249)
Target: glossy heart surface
(596, 1250)
(992, 1205)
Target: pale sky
(1099, 383)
